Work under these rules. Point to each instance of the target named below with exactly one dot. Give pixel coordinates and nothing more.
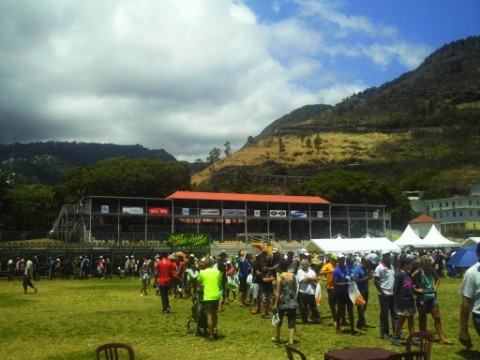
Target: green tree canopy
(348, 187)
(124, 177)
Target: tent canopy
(472, 240)
(435, 239)
(349, 246)
(409, 238)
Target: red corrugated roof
(424, 219)
(192, 195)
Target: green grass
(69, 319)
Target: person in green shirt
(210, 281)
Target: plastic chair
(110, 351)
(424, 339)
(291, 351)
(412, 355)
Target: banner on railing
(177, 240)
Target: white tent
(472, 240)
(409, 238)
(435, 239)
(349, 246)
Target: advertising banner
(185, 211)
(298, 214)
(158, 211)
(209, 212)
(105, 209)
(234, 212)
(177, 240)
(132, 210)
(278, 213)
(320, 214)
(256, 213)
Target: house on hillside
(422, 224)
(458, 216)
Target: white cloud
(185, 75)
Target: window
(469, 202)
(454, 213)
(446, 203)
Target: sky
(187, 76)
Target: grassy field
(68, 319)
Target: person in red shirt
(164, 271)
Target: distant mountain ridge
(46, 162)
(427, 119)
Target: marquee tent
(472, 240)
(348, 246)
(435, 239)
(409, 238)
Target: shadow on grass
(469, 354)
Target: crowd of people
(289, 286)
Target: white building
(459, 216)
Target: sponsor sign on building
(105, 209)
(278, 213)
(159, 211)
(178, 240)
(298, 214)
(320, 214)
(209, 212)
(185, 211)
(132, 210)
(256, 213)
(234, 212)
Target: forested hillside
(46, 162)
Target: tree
(317, 142)
(308, 143)
(349, 187)
(281, 145)
(228, 149)
(125, 177)
(213, 156)
(31, 207)
(250, 140)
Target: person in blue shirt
(342, 275)
(361, 275)
(243, 270)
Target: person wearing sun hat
(327, 272)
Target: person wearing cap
(342, 275)
(470, 291)
(210, 280)
(384, 280)
(327, 272)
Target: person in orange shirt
(327, 272)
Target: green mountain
(420, 125)
(46, 162)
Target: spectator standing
(164, 269)
(210, 280)
(426, 287)
(327, 272)
(285, 301)
(28, 275)
(361, 275)
(384, 281)
(470, 291)
(307, 280)
(243, 269)
(403, 290)
(342, 275)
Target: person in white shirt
(307, 280)
(27, 279)
(384, 280)
(470, 291)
